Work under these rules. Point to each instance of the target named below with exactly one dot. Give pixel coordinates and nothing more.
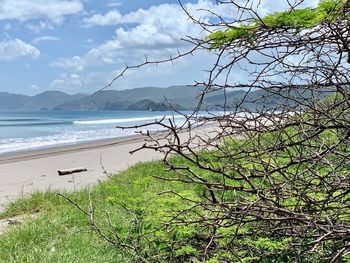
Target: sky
(80, 45)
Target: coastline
(25, 172)
(22, 173)
(22, 155)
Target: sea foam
(126, 120)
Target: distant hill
(43, 101)
(148, 98)
(10, 101)
(49, 98)
(182, 97)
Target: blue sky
(80, 45)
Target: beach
(26, 172)
(35, 145)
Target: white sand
(24, 173)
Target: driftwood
(71, 171)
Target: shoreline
(37, 170)
(21, 155)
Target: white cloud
(201, 9)
(75, 63)
(38, 27)
(156, 31)
(111, 18)
(13, 49)
(159, 26)
(114, 4)
(71, 81)
(44, 39)
(53, 10)
(35, 87)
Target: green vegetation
(130, 199)
(133, 209)
(296, 19)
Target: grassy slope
(61, 232)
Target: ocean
(22, 131)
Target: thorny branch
(277, 164)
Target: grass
(62, 232)
(131, 208)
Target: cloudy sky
(79, 45)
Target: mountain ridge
(41, 101)
(146, 98)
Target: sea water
(21, 131)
